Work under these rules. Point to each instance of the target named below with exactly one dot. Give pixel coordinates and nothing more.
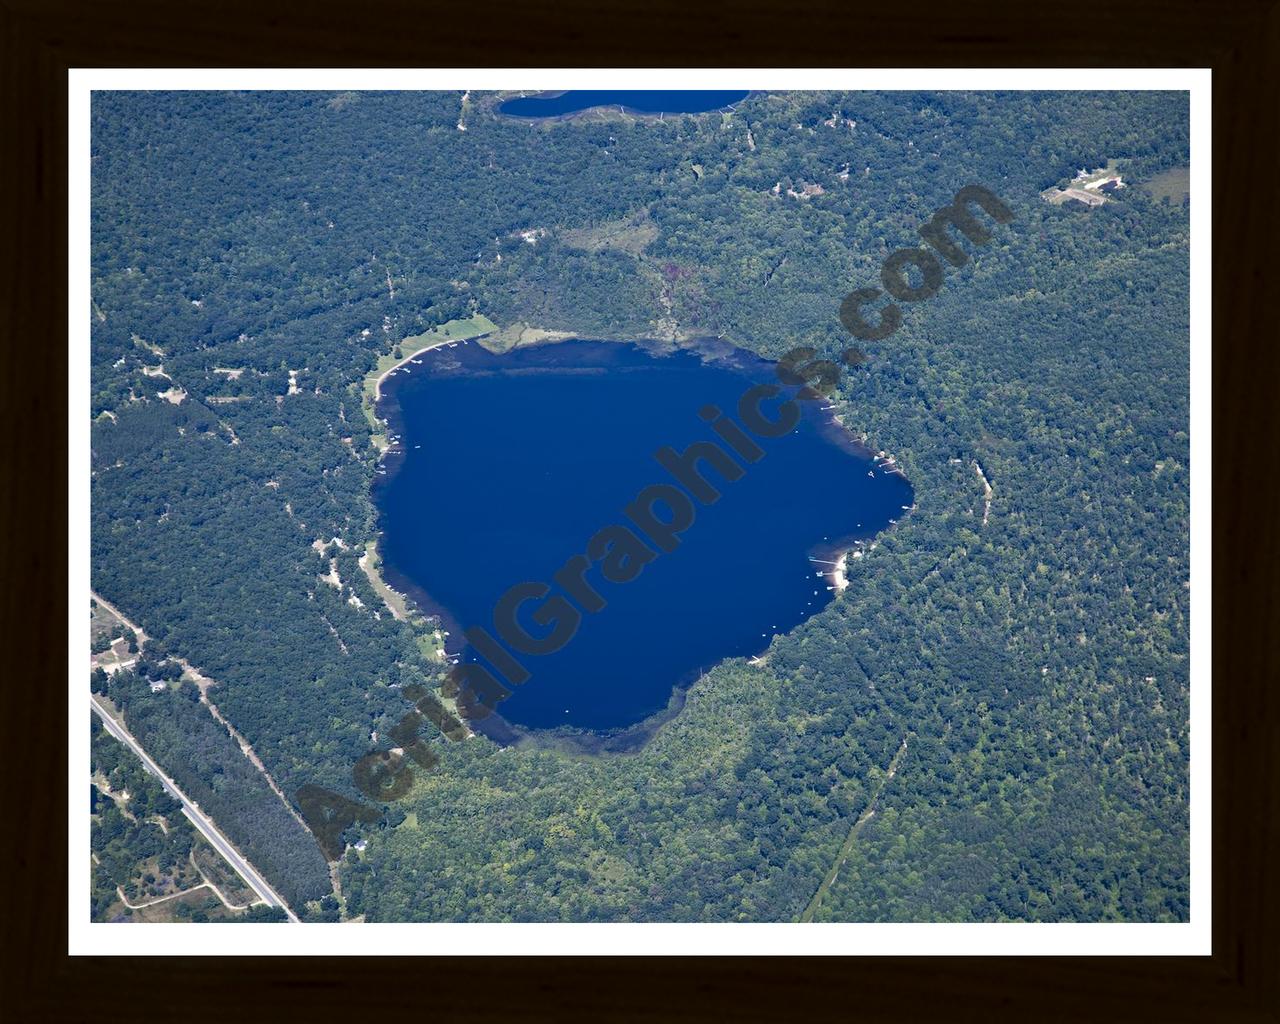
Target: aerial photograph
(608, 506)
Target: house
(1058, 197)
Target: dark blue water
(509, 464)
(695, 101)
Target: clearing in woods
(1174, 183)
(220, 876)
(455, 330)
(630, 234)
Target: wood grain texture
(1240, 40)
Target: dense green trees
(139, 837)
(259, 251)
(202, 758)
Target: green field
(103, 627)
(631, 234)
(1174, 183)
(455, 330)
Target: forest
(144, 849)
(202, 758)
(254, 254)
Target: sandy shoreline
(834, 564)
(371, 388)
(840, 573)
(377, 384)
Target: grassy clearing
(154, 349)
(103, 627)
(521, 333)
(202, 898)
(455, 330)
(631, 234)
(218, 873)
(1174, 183)
(372, 567)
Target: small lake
(508, 464)
(695, 101)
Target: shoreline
(382, 377)
(834, 559)
(403, 604)
(419, 605)
(633, 738)
(840, 574)
(582, 742)
(442, 343)
(605, 110)
(376, 393)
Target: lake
(508, 464)
(696, 101)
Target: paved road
(189, 808)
